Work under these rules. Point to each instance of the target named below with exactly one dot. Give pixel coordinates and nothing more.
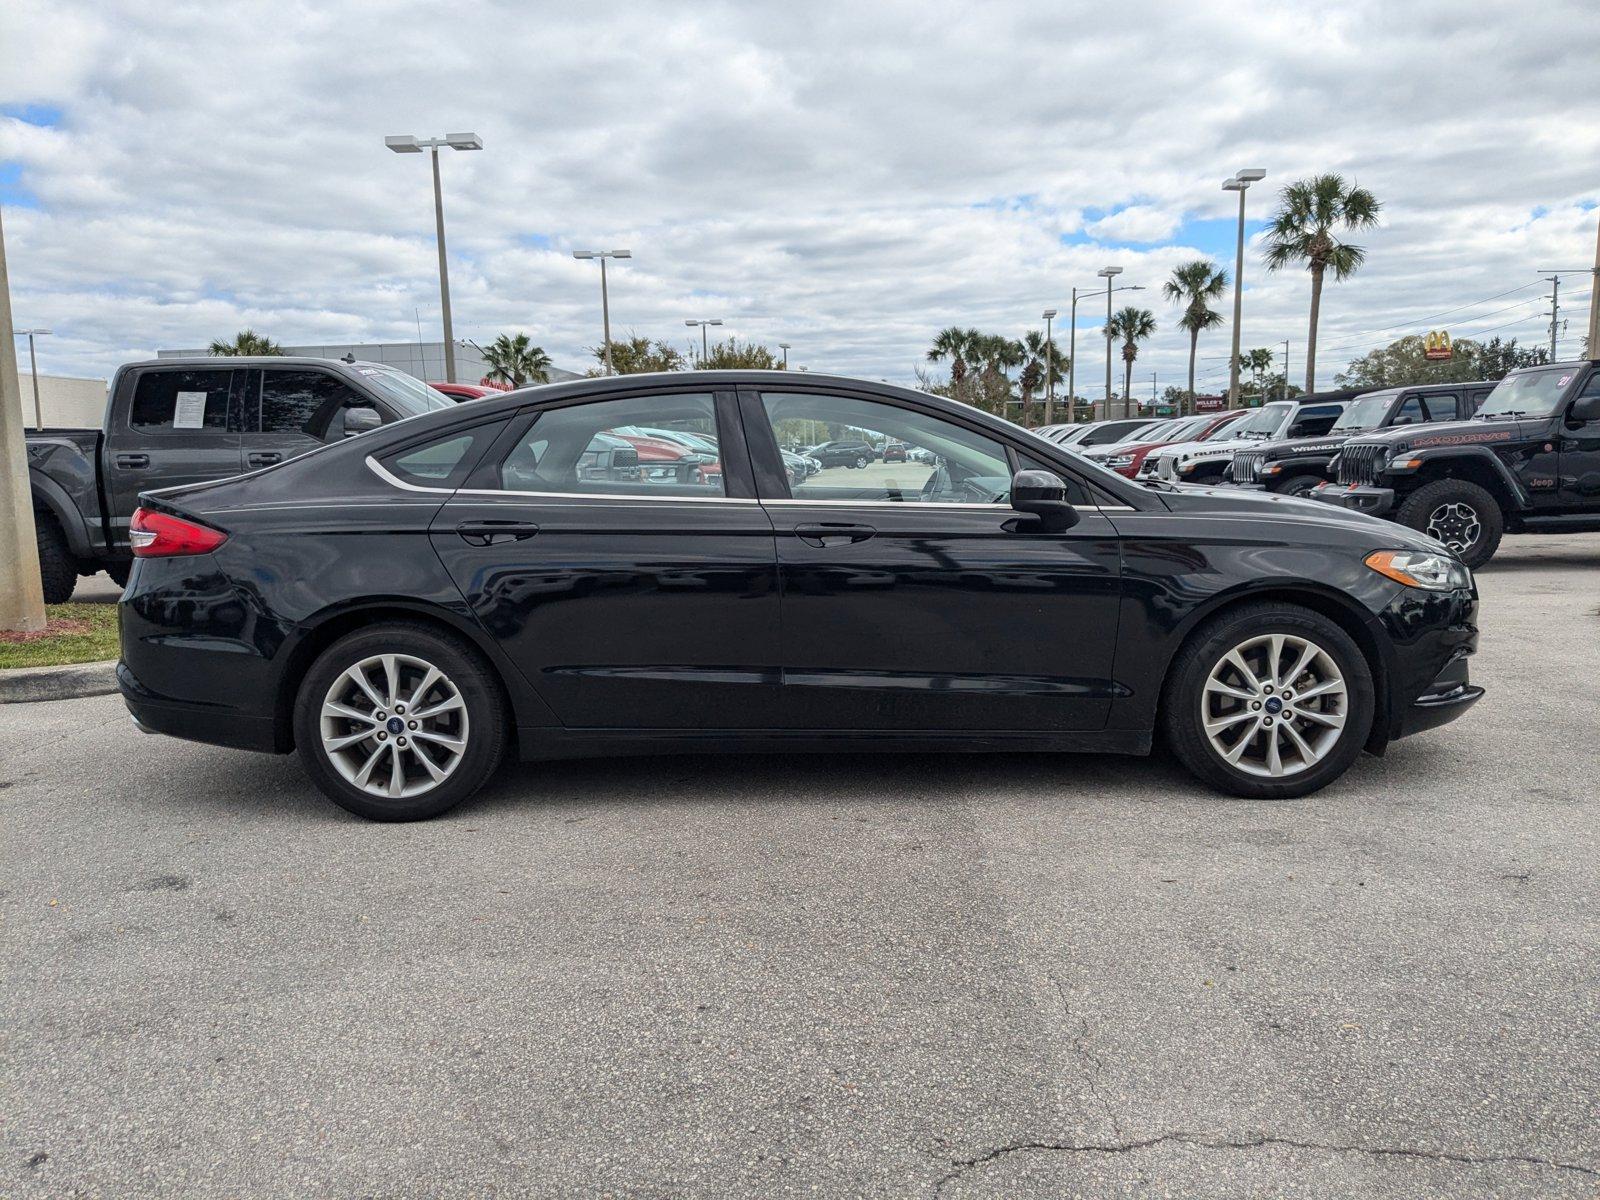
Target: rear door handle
(490, 533)
(832, 534)
(263, 458)
(133, 462)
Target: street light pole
(33, 367)
(1108, 274)
(784, 346)
(605, 299)
(408, 144)
(1239, 183)
(1049, 368)
(705, 349)
(21, 592)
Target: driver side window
(922, 459)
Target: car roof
(253, 360)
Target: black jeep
(1297, 465)
(1527, 462)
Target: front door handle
(490, 533)
(833, 534)
(263, 458)
(133, 462)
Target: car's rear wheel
(861, 461)
(1269, 701)
(399, 722)
(1462, 515)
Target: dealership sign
(1436, 346)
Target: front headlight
(1121, 460)
(1433, 572)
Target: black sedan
(407, 606)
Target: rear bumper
(1374, 501)
(195, 722)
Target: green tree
(1132, 325)
(638, 356)
(962, 349)
(245, 342)
(730, 355)
(1405, 362)
(1256, 363)
(514, 359)
(1042, 363)
(1310, 213)
(1497, 357)
(1194, 285)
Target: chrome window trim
(389, 477)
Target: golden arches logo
(1436, 344)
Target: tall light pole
(21, 593)
(33, 367)
(705, 350)
(784, 346)
(1239, 183)
(605, 300)
(1072, 348)
(1049, 369)
(1285, 372)
(1108, 274)
(406, 143)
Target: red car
(468, 391)
(658, 453)
(1125, 458)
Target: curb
(26, 685)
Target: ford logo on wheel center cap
(1274, 705)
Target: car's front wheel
(1300, 485)
(1462, 515)
(399, 722)
(861, 461)
(1268, 702)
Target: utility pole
(1594, 300)
(1285, 371)
(1555, 310)
(21, 592)
(1554, 279)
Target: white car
(1204, 462)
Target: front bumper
(1433, 634)
(1374, 501)
(1446, 698)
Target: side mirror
(1584, 410)
(1043, 495)
(360, 420)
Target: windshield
(1222, 432)
(1364, 413)
(1265, 423)
(410, 395)
(1183, 431)
(1075, 433)
(1528, 393)
(1141, 433)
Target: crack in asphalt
(962, 1166)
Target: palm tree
(515, 360)
(1132, 325)
(1310, 211)
(961, 347)
(1038, 357)
(1258, 362)
(246, 341)
(1193, 285)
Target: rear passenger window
(181, 400)
(660, 445)
(301, 401)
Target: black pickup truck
(172, 421)
(1295, 466)
(1527, 462)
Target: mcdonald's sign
(1436, 345)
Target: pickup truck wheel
(399, 722)
(1462, 515)
(58, 567)
(1268, 701)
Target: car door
(172, 426)
(1579, 449)
(913, 598)
(290, 410)
(627, 599)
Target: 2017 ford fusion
(406, 607)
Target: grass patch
(73, 633)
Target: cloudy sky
(847, 177)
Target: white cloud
(845, 177)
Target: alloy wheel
(1456, 525)
(1275, 705)
(394, 725)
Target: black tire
(1299, 485)
(1183, 696)
(860, 463)
(119, 569)
(58, 567)
(464, 667)
(1422, 511)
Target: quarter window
(935, 461)
(658, 445)
(181, 400)
(445, 461)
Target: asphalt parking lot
(964, 976)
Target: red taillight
(156, 535)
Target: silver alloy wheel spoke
(1266, 718)
(376, 744)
